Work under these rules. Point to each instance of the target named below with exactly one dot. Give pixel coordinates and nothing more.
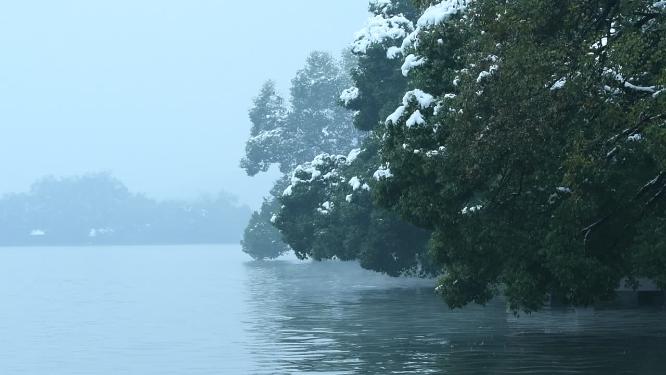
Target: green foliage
(530, 148)
(537, 164)
(379, 80)
(328, 213)
(261, 239)
(328, 210)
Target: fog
(332, 186)
(154, 92)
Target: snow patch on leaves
(635, 137)
(471, 209)
(439, 13)
(486, 73)
(415, 119)
(356, 184)
(349, 95)
(393, 52)
(383, 172)
(654, 89)
(411, 61)
(326, 208)
(559, 84)
(384, 6)
(353, 154)
(379, 30)
(423, 101)
(309, 172)
(264, 136)
(395, 117)
(432, 17)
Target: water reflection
(333, 318)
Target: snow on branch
(655, 90)
(432, 17)
(411, 62)
(349, 95)
(310, 172)
(438, 13)
(380, 29)
(422, 99)
(383, 172)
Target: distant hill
(97, 209)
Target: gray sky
(154, 91)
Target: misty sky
(154, 91)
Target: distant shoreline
(147, 244)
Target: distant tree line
(97, 209)
(510, 147)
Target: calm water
(208, 310)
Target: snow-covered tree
(313, 123)
(526, 139)
(266, 144)
(328, 213)
(316, 122)
(328, 210)
(377, 79)
(531, 142)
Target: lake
(193, 310)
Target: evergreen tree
(527, 144)
(266, 144)
(328, 210)
(328, 213)
(261, 239)
(531, 144)
(313, 124)
(316, 122)
(377, 78)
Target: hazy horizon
(154, 92)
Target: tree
(313, 124)
(531, 143)
(266, 143)
(328, 211)
(377, 76)
(261, 239)
(527, 144)
(316, 122)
